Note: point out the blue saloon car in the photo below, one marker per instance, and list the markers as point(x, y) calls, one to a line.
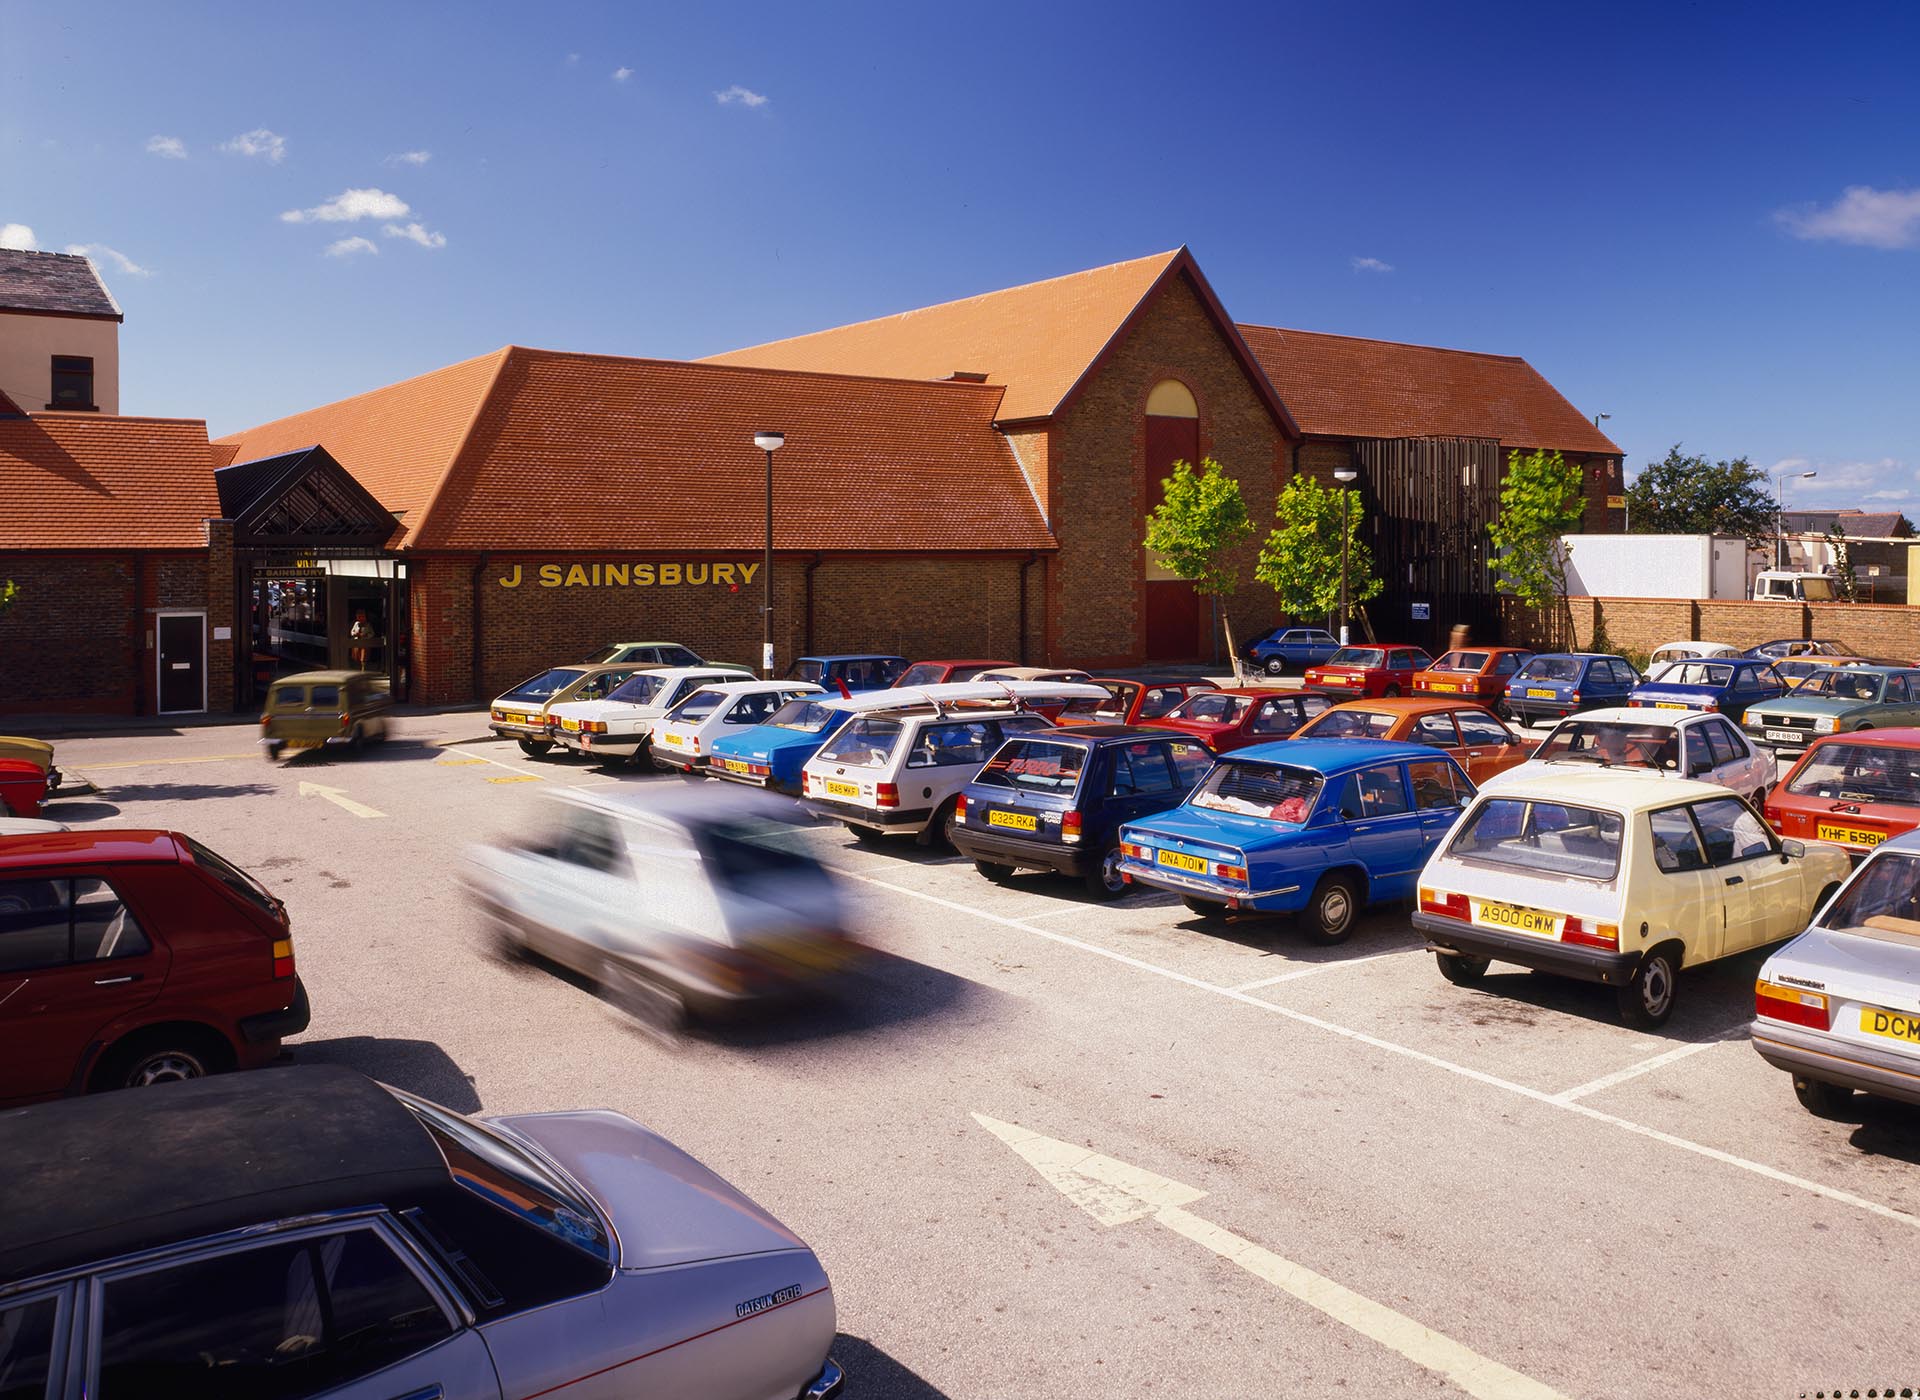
point(857, 671)
point(771, 755)
point(1284, 649)
point(1318, 827)
point(1727, 684)
point(1553, 685)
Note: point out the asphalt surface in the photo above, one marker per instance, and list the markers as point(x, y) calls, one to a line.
point(1571, 1206)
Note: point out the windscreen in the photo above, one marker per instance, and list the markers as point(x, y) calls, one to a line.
point(866, 743)
point(696, 707)
point(605, 654)
point(1859, 773)
point(1342, 723)
point(1613, 744)
point(805, 716)
point(921, 673)
point(1358, 656)
point(1035, 765)
point(546, 685)
point(643, 688)
point(1693, 673)
point(1461, 661)
point(1212, 708)
point(807, 671)
point(1882, 897)
point(1541, 838)
point(232, 876)
point(1274, 791)
point(1113, 705)
point(1551, 668)
point(1844, 683)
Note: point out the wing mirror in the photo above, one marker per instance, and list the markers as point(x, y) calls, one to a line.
point(1791, 849)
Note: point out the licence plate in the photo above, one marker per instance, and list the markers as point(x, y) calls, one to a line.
point(1848, 835)
point(675, 740)
point(842, 789)
point(572, 726)
point(1537, 922)
point(1670, 705)
point(1441, 685)
point(1783, 736)
point(1894, 1025)
point(1196, 865)
point(734, 765)
point(1535, 694)
point(1019, 821)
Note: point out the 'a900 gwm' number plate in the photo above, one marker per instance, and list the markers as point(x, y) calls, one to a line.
point(1537, 922)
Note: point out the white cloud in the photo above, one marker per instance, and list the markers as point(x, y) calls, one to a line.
point(258, 142)
point(347, 247)
point(410, 158)
point(350, 205)
point(1862, 215)
point(744, 96)
point(620, 75)
point(416, 233)
point(112, 255)
point(167, 147)
point(1371, 265)
point(17, 236)
point(1842, 483)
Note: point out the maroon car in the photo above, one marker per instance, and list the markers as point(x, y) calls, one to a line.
point(944, 672)
point(1242, 715)
point(134, 957)
point(1131, 701)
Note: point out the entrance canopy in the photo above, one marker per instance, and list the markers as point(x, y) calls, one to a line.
point(301, 500)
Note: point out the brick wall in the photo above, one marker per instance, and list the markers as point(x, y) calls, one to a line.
point(1886, 631)
point(1033, 446)
point(1320, 460)
point(219, 603)
point(69, 642)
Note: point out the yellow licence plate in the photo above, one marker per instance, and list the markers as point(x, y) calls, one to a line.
point(1894, 1025)
point(674, 739)
point(1534, 694)
point(1537, 922)
point(1443, 685)
point(1670, 705)
point(1848, 835)
point(734, 765)
point(842, 789)
point(1194, 864)
point(1019, 821)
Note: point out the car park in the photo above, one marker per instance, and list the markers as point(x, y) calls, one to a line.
point(1056, 800)
point(134, 957)
point(900, 771)
point(1837, 700)
point(619, 728)
point(1315, 827)
point(1132, 701)
point(1692, 744)
point(851, 671)
point(646, 654)
point(1615, 878)
point(943, 672)
point(684, 736)
point(317, 708)
point(1238, 716)
point(1728, 686)
point(1854, 790)
point(771, 755)
point(1282, 649)
point(1368, 672)
point(520, 714)
point(1478, 673)
point(1838, 1008)
point(313, 1232)
point(1473, 735)
point(1553, 685)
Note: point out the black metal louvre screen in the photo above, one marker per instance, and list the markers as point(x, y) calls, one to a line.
point(1429, 502)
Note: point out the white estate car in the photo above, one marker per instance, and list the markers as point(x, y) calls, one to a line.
point(1686, 651)
point(1616, 879)
point(1669, 743)
point(1839, 1007)
point(683, 737)
point(619, 726)
point(899, 770)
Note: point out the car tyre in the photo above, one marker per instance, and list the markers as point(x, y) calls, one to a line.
point(1646, 1001)
point(1332, 910)
point(1205, 908)
point(535, 748)
point(658, 1010)
point(1391, 691)
point(274, 748)
point(865, 835)
point(1276, 666)
point(1821, 1099)
point(1104, 880)
point(357, 740)
point(994, 871)
point(1460, 969)
point(160, 1057)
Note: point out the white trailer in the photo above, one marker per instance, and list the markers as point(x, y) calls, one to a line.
point(1656, 566)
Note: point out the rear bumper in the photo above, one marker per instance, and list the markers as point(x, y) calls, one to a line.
point(1561, 959)
point(828, 1385)
point(1813, 1055)
point(867, 816)
point(673, 758)
point(998, 849)
point(1527, 711)
point(519, 731)
point(610, 745)
point(272, 1026)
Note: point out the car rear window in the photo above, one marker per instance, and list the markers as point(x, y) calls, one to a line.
point(1693, 673)
point(1113, 705)
point(325, 696)
point(695, 707)
point(807, 671)
point(231, 875)
point(1211, 708)
point(1275, 791)
point(1035, 765)
point(1461, 661)
point(546, 685)
point(805, 716)
point(1613, 744)
point(639, 689)
point(921, 673)
point(1550, 668)
point(1358, 656)
point(866, 743)
point(1342, 723)
point(1859, 773)
point(1882, 898)
point(288, 697)
point(1547, 838)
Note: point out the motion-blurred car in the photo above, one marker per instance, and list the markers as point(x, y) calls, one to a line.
point(1232, 719)
point(1315, 827)
point(672, 900)
point(1132, 701)
point(1368, 672)
point(136, 957)
point(683, 737)
point(1837, 700)
point(1854, 790)
point(1839, 1007)
point(1661, 743)
point(312, 1232)
point(645, 654)
point(619, 728)
point(521, 713)
point(1553, 685)
point(318, 708)
point(943, 672)
point(1473, 735)
point(1617, 879)
point(1727, 687)
point(1477, 673)
point(1057, 800)
point(855, 671)
point(1282, 649)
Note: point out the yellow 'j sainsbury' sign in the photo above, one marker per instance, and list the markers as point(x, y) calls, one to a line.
point(630, 575)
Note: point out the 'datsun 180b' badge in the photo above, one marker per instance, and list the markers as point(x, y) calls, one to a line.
point(766, 1300)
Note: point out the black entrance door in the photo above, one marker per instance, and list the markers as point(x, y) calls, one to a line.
point(183, 662)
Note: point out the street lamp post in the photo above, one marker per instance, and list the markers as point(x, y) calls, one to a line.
point(1344, 476)
point(768, 443)
point(1780, 480)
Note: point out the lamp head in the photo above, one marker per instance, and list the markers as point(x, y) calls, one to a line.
point(1345, 474)
point(769, 442)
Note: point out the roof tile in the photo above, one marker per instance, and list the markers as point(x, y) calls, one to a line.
point(89, 481)
point(64, 283)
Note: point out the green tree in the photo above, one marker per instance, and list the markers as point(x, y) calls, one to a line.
point(9, 590)
point(1301, 557)
point(1195, 529)
point(1540, 501)
point(1688, 495)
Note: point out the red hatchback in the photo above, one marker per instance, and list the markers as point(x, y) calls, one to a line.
point(944, 672)
point(1235, 718)
point(134, 957)
point(1853, 790)
point(1368, 672)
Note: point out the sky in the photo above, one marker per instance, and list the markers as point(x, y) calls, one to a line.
point(1702, 220)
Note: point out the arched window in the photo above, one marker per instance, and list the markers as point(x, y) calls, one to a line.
point(1171, 399)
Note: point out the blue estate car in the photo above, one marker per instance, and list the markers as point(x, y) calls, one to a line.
point(1322, 827)
point(1057, 800)
point(771, 755)
point(1725, 683)
point(857, 671)
point(1283, 649)
point(1556, 684)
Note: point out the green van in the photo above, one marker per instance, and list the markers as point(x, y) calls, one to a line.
point(325, 707)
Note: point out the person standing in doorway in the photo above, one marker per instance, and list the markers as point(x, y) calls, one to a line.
point(358, 636)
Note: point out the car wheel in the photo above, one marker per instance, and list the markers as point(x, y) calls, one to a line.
point(1104, 880)
point(1647, 1001)
point(999, 874)
point(1821, 1099)
point(945, 823)
point(163, 1057)
point(658, 1010)
point(1391, 690)
point(1461, 970)
point(1276, 666)
point(1205, 908)
point(274, 748)
point(534, 748)
point(1759, 799)
point(865, 835)
point(357, 740)
point(1332, 910)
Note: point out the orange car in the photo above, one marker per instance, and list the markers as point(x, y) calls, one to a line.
point(1479, 673)
point(1478, 741)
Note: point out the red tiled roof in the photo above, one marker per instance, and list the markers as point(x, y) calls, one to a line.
point(538, 449)
point(92, 481)
point(1342, 386)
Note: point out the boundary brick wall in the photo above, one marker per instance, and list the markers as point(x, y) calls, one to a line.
point(1881, 630)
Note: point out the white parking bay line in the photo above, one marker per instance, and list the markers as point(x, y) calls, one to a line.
point(1312, 968)
point(1761, 1169)
point(1621, 1076)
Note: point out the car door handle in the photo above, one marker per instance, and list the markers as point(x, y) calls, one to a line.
point(1736, 879)
point(116, 981)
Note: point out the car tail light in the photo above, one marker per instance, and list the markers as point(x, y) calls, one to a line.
point(1711, 705)
point(345, 720)
point(265, 720)
point(1070, 827)
point(1447, 906)
point(760, 770)
point(696, 743)
point(1633, 704)
point(806, 781)
point(594, 726)
point(1132, 851)
point(1590, 935)
point(1230, 872)
point(282, 958)
point(960, 808)
point(886, 795)
point(1802, 1008)
point(1574, 697)
point(1772, 814)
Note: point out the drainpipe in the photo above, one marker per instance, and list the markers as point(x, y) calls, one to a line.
point(1033, 557)
point(806, 607)
point(475, 628)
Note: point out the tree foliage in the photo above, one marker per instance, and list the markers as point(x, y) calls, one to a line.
point(1540, 501)
point(1301, 558)
point(1196, 527)
point(1689, 495)
point(9, 590)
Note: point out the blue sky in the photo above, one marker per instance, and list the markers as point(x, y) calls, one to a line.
point(1702, 220)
